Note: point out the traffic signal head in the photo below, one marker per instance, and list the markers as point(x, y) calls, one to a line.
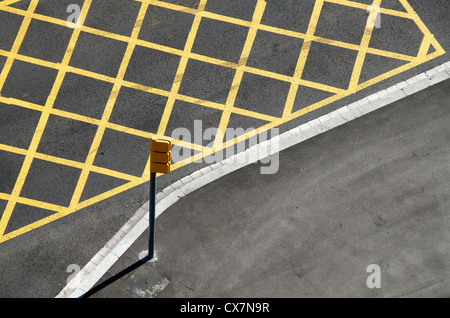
point(160, 155)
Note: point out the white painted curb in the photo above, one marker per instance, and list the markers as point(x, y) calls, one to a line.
point(125, 237)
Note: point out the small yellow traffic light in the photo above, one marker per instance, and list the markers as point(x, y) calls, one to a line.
point(160, 155)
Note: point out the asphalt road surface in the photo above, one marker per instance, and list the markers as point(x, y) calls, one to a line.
point(78, 106)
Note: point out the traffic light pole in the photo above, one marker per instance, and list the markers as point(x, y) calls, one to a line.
point(160, 158)
point(152, 216)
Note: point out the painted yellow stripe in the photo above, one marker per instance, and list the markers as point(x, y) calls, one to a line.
point(291, 79)
point(172, 6)
point(363, 6)
point(424, 46)
point(399, 70)
point(273, 121)
point(108, 109)
point(44, 114)
point(363, 46)
point(93, 121)
point(303, 56)
point(219, 18)
point(422, 26)
point(13, 149)
point(349, 46)
point(112, 193)
point(218, 106)
point(69, 163)
point(178, 77)
point(6, 68)
point(180, 71)
point(251, 35)
point(34, 203)
point(392, 55)
point(205, 58)
point(8, 2)
point(17, 43)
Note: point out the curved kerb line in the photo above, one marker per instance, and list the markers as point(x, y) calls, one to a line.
point(130, 232)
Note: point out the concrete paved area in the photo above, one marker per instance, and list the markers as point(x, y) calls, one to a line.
point(373, 191)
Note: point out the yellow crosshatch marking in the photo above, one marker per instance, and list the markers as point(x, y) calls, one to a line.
point(172, 95)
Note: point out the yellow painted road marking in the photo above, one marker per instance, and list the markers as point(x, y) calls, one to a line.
point(178, 77)
point(7, 67)
point(108, 109)
point(363, 6)
point(8, 2)
point(205, 58)
point(422, 27)
point(181, 69)
point(424, 47)
point(45, 111)
point(303, 56)
point(229, 104)
point(227, 108)
point(193, 55)
point(373, 15)
point(109, 125)
point(68, 163)
point(17, 43)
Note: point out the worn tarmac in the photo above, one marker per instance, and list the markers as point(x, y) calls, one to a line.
point(372, 191)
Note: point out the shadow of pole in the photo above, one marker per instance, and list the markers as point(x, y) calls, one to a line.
point(115, 278)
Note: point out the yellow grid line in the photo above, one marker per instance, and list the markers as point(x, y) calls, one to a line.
point(181, 69)
point(34, 203)
point(69, 163)
point(219, 18)
point(295, 80)
point(17, 42)
point(424, 46)
point(149, 89)
point(356, 74)
point(44, 114)
point(8, 2)
point(229, 105)
point(178, 77)
point(363, 6)
point(93, 121)
point(161, 92)
point(108, 109)
point(422, 27)
point(364, 85)
point(303, 56)
point(7, 67)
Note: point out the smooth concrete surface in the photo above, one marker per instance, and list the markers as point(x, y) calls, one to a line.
point(373, 191)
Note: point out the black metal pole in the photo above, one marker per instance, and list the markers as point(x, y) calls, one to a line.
point(151, 239)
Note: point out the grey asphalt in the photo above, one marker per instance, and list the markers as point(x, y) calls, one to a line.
point(375, 190)
point(35, 263)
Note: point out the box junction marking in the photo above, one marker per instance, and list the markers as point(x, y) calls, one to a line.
point(228, 108)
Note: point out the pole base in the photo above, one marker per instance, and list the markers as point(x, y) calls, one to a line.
point(145, 257)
